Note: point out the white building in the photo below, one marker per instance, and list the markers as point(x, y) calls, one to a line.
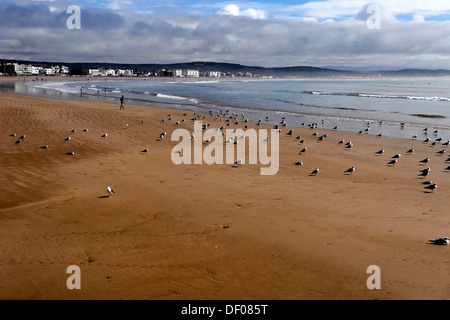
point(19, 69)
point(191, 73)
point(95, 72)
point(213, 74)
point(35, 71)
point(110, 73)
point(177, 73)
point(49, 71)
point(125, 73)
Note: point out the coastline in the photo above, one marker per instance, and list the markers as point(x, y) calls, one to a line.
point(209, 232)
point(346, 122)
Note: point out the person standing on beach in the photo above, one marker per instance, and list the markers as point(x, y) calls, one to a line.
point(121, 103)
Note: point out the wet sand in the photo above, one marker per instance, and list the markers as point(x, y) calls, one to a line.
point(209, 231)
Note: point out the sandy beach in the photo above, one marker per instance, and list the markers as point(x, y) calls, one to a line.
point(206, 232)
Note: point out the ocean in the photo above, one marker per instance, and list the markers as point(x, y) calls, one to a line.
point(348, 104)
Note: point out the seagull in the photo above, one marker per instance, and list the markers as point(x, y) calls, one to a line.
point(145, 150)
point(104, 135)
point(380, 152)
point(397, 156)
point(316, 171)
point(70, 153)
point(447, 169)
point(68, 139)
point(441, 152)
point(299, 163)
point(22, 137)
point(303, 150)
point(110, 191)
point(18, 141)
point(425, 172)
point(85, 130)
point(426, 140)
point(431, 187)
point(44, 147)
point(410, 151)
point(415, 136)
point(341, 142)
point(349, 145)
point(425, 160)
point(12, 135)
point(298, 137)
point(73, 131)
point(126, 125)
point(440, 241)
point(394, 161)
point(350, 171)
point(238, 162)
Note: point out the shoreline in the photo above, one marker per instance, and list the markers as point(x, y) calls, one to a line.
point(390, 128)
point(294, 78)
point(209, 232)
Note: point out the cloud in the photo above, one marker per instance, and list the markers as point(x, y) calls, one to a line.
point(234, 10)
point(281, 36)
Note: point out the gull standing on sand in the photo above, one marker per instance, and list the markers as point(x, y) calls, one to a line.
point(410, 151)
point(380, 152)
point(110, 191)
point(299, 163)
point(431, 187)
point(104, 135)
point(440, 241)
point(393, 161)
point(425, 172)
point(315, 172)
point(425, 160)
point(350, 171)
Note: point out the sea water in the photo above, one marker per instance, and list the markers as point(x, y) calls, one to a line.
point(347, 103)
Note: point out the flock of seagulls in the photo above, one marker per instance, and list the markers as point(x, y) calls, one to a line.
point(234, 119)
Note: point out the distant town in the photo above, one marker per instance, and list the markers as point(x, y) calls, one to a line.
point(199, 69)
point(18, 69)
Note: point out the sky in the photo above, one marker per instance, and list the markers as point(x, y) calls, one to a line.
point(387, 33)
